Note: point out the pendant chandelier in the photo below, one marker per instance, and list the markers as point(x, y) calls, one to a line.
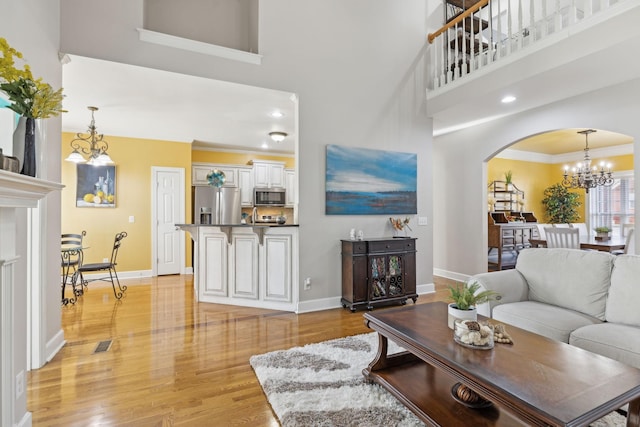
point(583, 175)
point(93, 146)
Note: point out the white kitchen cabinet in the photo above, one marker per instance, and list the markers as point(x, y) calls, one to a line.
point(290, 186)
point(245, 182)
point(268, 174)
point(201, 170)
point(275, 268)
point(212, 264)
point(243, 266)
point(246, 266)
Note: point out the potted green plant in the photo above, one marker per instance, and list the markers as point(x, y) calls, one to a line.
point(464, 300)
point(602, 233)
point(508, 176)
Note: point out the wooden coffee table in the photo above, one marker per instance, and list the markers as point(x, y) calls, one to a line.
point(535, 381)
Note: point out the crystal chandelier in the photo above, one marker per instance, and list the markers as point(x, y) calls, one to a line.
point(584, 175)
point(93, 146)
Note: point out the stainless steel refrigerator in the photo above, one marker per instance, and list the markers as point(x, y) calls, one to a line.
point(213, 205)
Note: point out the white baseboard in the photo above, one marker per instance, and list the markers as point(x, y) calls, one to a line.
point(122, 275)
point(335, 302)
point(26, 421)
point(54, 345)
point(318, 304)
point(451, 275)
point(428, 288)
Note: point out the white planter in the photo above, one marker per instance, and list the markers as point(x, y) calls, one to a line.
point(453, 313)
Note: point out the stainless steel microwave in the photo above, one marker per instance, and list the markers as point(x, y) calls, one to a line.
point(268, 197)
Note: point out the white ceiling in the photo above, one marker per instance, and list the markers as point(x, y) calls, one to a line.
point(145, 103)
point(152, 104)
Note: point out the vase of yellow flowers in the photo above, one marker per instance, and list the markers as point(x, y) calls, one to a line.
point(32, 99)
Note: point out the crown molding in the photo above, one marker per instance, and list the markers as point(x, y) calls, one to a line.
point(575, 156)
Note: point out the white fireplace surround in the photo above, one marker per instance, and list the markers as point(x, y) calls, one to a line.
point(17, 192)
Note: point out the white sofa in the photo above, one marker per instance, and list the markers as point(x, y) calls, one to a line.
point(588, 299)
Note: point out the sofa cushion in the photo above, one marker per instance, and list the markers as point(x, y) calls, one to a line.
point(619, 342)
point(624, 293)
point(569, 278)
point(548, 320)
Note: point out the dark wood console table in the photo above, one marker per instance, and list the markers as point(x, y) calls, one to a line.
point(377, 271)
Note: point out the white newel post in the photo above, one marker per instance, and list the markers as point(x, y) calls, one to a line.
point(16, 193)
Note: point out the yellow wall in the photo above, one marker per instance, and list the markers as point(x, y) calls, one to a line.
point(133, 160)
point(533, 178)
point(530, 177)
point(238, 158)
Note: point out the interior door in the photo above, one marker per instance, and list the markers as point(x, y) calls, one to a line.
point(169, 211)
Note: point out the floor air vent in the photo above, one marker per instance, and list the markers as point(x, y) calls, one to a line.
point(102, 346)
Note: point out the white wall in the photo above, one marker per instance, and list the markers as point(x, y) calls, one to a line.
point(228, 23)
point(460, 166)
point(33, 29)
point(358, 69)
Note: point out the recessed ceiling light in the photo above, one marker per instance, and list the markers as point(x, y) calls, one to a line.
point(265, 145)
point(507, 99)
point(277, 114)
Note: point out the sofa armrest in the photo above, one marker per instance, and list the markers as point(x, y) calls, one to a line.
point(509, 284)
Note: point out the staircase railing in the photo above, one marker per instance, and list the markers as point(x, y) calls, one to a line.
point(490, 30)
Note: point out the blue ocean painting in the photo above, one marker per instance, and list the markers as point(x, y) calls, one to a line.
point(362, 181)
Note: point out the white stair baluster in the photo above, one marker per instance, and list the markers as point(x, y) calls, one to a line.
point(587, 8)
point(558, 18)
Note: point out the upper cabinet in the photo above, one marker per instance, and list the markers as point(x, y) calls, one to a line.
point(268, 174)
point(291, 192)
point(245, 182)
point(201, 170)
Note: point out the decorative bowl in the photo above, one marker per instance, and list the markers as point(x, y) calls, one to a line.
point(473, 334)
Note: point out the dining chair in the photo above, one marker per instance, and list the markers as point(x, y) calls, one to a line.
point(561, 225)
point(562, 237)
point(109, 267)
point(584, 231)
point(541, 233)
point(629, 244)
point(71, 259)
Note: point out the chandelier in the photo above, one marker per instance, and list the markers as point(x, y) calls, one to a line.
point(92, 146)
point(584, 175)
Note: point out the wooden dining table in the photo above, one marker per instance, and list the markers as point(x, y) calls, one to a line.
point(614, 243)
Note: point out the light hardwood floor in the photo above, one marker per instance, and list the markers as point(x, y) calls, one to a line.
point(172, 361)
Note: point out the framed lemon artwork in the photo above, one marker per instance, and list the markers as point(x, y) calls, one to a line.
point(96, 186)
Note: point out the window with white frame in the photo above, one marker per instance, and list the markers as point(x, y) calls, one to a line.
point(613, 206)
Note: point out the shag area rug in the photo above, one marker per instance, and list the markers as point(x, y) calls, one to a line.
point(322, 385)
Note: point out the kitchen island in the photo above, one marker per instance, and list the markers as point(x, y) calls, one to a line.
point(253, 265)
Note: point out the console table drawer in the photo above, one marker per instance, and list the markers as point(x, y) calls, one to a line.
point(392, 245)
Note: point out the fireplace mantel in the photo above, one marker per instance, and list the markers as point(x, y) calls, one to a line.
point(21, 191)
point(17, 192)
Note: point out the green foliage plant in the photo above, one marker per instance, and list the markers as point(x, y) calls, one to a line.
point(29, 97)
point(561, 205)
point(602, 229)
point(464, 296)
point(508, 176)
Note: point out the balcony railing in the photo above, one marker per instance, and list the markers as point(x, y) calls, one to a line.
point(491, 30)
